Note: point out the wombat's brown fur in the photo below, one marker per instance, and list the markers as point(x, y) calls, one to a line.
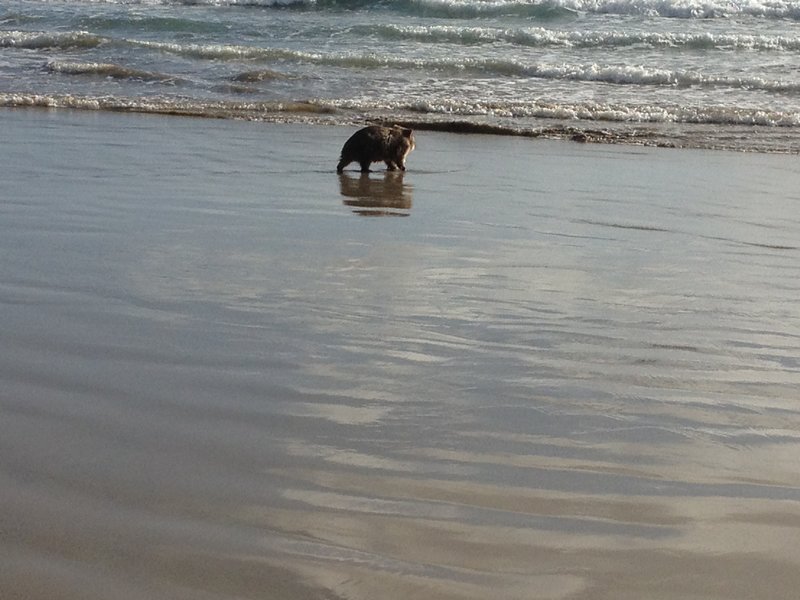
point(375, 144)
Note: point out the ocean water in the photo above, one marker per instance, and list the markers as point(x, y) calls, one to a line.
point(685, 73)
point(523, 369)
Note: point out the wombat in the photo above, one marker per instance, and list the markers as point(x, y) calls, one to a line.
point(375, 144)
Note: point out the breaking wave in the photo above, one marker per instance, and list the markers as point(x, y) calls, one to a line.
point(541, 9)
point(528, 37)
point(686, 9)
point(599, 112)
point(343, 110)
point(540, 37)
point(165, 106)
point(587, 111)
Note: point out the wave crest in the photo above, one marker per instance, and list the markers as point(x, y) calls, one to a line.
point(109, 70)
point(35, 40)
point(541, 37)
point(599, 112)
point(542, 9)
point(684, 9)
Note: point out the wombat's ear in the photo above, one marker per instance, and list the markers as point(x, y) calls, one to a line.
point(407, 132)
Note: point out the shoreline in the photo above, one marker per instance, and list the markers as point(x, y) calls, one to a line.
point(753, 138)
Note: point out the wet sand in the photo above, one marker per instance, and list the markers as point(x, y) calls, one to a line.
point(541, 370)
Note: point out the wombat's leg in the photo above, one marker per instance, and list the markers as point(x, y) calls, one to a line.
point(390, 166)
point(342, 164)
point(365, 166)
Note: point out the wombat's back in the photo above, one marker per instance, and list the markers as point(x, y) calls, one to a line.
point(375, 144)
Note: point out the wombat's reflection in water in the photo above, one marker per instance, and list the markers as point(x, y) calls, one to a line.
point(386, 196)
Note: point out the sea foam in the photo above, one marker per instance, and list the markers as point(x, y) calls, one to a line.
point(542, 37)
point(543, 9)
point(685, 9)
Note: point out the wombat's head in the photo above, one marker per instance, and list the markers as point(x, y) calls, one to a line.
point(409, 135)
point(406, 141)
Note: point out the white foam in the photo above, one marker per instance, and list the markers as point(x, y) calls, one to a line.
point(542, 37)
point(587, 111)
point(686, 9)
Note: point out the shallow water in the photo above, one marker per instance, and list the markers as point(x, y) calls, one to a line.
point(559, 371)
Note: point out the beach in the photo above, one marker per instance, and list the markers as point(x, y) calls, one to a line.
point(522, 369)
